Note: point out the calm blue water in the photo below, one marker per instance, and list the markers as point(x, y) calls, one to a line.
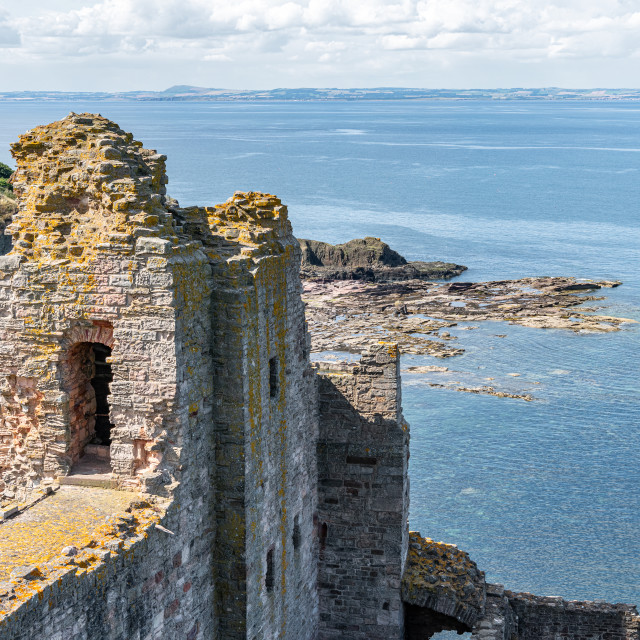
point(544, 495)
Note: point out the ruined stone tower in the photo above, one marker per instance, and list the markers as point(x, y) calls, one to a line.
point(154, 369)
point(164, 351)
point(170, 344)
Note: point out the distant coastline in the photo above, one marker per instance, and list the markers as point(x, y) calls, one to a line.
point(182, 93)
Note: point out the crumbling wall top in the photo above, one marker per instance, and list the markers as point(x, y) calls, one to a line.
point(443, 578)
point(83, 184)
point(250, 225)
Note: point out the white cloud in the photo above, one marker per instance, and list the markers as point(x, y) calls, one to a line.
point(396, 42)
point(380, 34)
point(9, 35)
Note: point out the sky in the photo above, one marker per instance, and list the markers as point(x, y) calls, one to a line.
point(122, 45)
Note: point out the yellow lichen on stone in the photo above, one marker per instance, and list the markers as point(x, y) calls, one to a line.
point(71, 529)
point(443, 577)
point(83, 184)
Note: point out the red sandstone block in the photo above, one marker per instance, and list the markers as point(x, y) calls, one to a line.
point(171, 608)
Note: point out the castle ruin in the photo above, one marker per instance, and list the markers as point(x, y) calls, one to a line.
point(157, 358)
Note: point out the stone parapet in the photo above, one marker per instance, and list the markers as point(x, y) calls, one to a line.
point(363, 497)
point(552, 617)
point(132, 578)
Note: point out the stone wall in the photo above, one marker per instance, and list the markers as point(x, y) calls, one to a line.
point(553, 618)
point(448, 593)
point(213, 401)
point(498, 621)
point(96, 258)
point(265, 421)
point(363, 497)
point(133, 582)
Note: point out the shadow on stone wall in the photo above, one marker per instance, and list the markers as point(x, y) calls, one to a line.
point(421, 623)
point(362, 497)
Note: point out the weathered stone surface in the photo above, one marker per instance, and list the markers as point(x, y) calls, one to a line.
point(527, 617)
point(442, 578)
point(212, 401)
point(363, 497)
point(265, 420)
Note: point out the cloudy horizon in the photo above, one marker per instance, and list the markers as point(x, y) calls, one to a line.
point(120, 45)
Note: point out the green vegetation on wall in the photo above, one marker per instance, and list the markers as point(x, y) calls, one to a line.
point(5, 174)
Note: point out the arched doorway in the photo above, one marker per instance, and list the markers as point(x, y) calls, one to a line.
point(87, 379)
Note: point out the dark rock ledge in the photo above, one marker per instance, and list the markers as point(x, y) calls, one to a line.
point(367, 259)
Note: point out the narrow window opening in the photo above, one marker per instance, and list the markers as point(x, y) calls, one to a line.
point(296, 533)
point(100, 382)
point(273, 377)
point(269, 580)
point(324, 530)
point(361, 460)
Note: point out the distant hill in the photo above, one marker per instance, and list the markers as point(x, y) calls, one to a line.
point(186, 89)
point(188, 92)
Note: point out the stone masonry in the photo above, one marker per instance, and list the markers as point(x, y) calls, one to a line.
point(265, 421)
point(96, 259)
point(212, 404)
point(523, 616)
point(240, 493)
point(443, 590)
point(363, 497)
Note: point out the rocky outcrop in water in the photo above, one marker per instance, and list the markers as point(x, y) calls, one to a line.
point(346, 316)
point(367, 259)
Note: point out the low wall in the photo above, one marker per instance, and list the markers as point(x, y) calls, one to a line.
point(133, 581)
point(523, 616)
point(552, 618)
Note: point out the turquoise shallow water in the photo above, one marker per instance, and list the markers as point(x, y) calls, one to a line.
point(545, 495)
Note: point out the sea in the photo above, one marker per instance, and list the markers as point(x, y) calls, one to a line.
point(544, 495)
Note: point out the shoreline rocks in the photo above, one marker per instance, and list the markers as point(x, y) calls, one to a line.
point(346, 315)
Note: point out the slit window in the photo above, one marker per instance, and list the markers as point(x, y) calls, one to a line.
point(296, 538)
point(273, 377)
point(269, 580)
point(367, 461)
point(324, 530)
